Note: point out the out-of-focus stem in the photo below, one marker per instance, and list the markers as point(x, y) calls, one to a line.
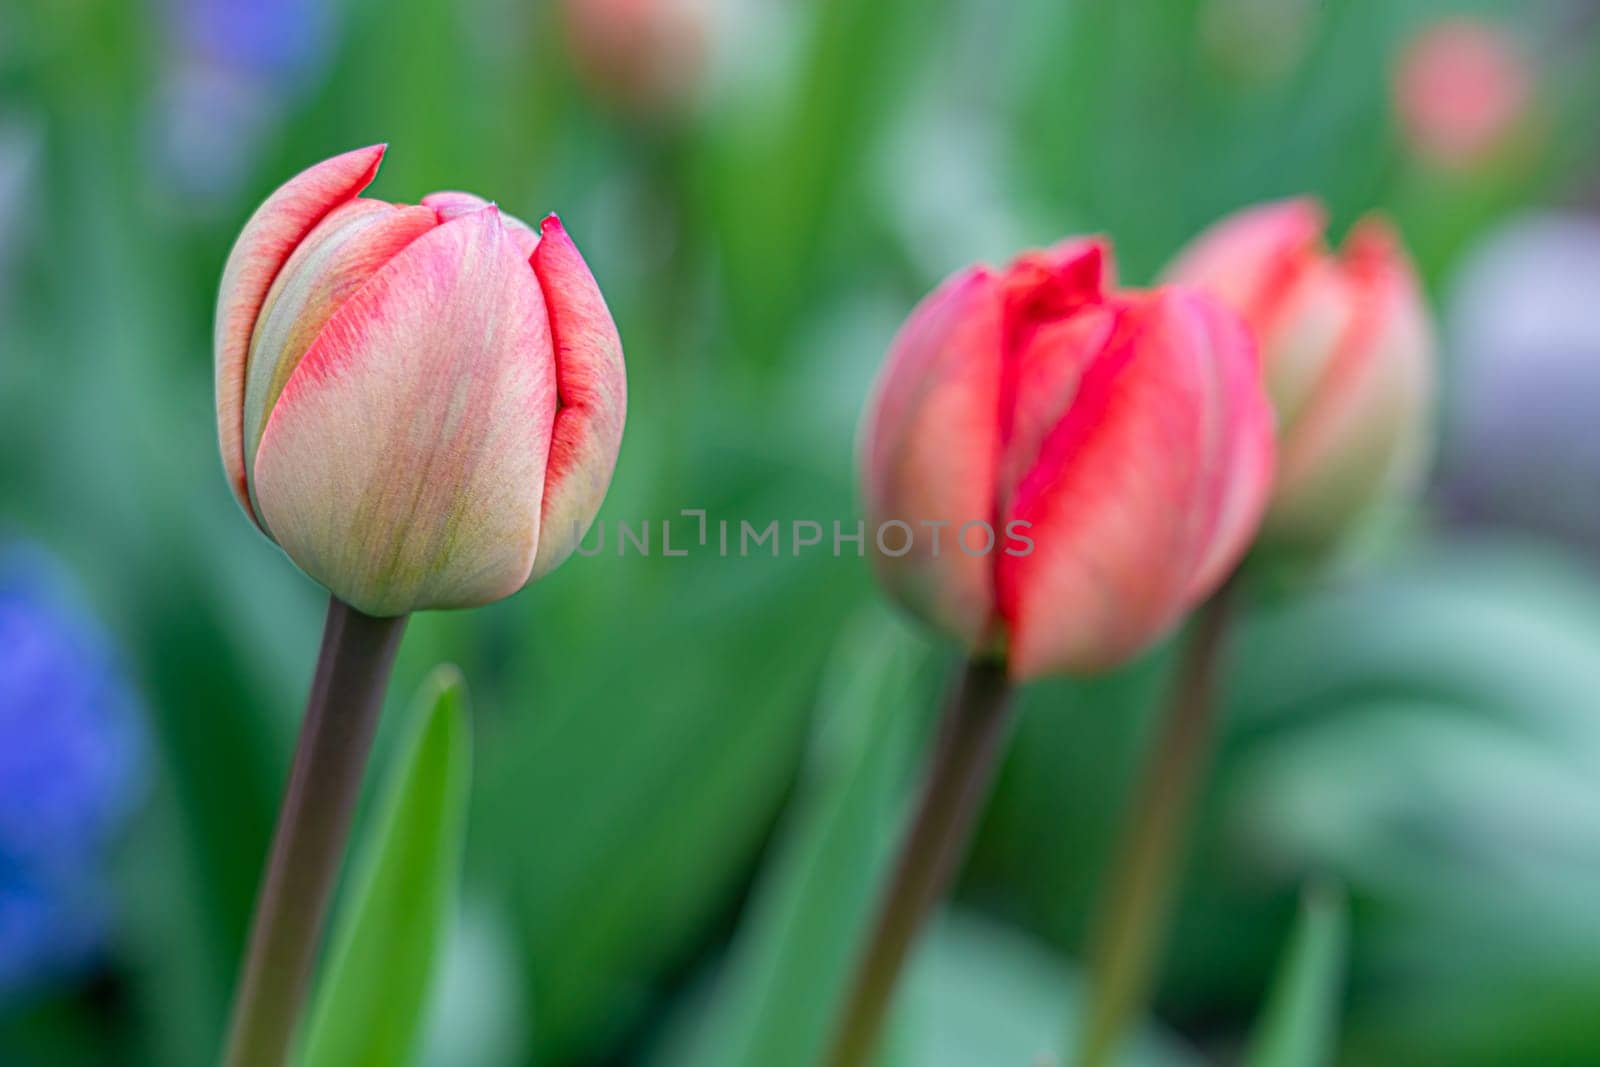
point(1131, 921)
point(971, 738)
point(313, 827)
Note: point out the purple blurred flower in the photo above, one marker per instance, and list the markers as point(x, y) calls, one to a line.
point(233, 68)
point(1522, 442)
point(269, 40)
point(70, 757)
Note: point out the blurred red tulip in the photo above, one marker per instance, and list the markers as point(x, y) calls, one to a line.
point(1347, 350)
point(421, 405)
point(1461, 89)
point(647, 57)
point(1117, 445)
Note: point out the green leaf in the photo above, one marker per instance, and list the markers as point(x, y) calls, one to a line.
point(981, 994)
point(369, 1009)
point(778, 992)
point(1300, 1024)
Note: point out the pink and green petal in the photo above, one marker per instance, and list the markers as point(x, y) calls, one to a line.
point(1364, 434)
point(437, 380)
point(330, 265)
point(265, 244)
point(592, 396)
point(1250, 258)
point(1300, 334)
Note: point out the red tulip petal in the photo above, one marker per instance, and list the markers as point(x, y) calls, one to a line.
point(1245, 443)
point(593, 395)
point(1055, 324)
point(1113, 502)
point(930, 451)
point(263, 247)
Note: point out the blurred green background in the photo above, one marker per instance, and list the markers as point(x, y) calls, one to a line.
point(688, 769)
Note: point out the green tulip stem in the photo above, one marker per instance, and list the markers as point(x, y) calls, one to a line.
point(313, 827)
point(972, 736)
point(1130, 924)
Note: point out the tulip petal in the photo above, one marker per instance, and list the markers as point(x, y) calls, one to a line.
point(1244, 442)
point(451, 204)
point(1361, 432)
point(1115, 502)
point(592, 388)
point(930, 452)
point(1250, 258)
point(263, 247)
point(1268, 263)
point(335, 259)
point(1055, 323)
point(403, 465)
point(1301, 332)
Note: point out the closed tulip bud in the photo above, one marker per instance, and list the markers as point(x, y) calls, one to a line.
point(1347, 352)
point(421, 405)
point(1118, 443)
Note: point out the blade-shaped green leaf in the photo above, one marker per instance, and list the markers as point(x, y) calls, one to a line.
point(369, 1010)
point(779, 990)
point(1299, 1025)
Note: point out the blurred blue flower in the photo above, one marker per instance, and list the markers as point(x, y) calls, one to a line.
point(232, 68)
point(1522, 441)
point(71, 749)
point(271, 40)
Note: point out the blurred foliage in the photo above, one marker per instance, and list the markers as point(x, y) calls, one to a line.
point(1423, 731)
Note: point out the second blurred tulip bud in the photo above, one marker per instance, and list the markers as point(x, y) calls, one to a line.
point(1347, 350)
point(646, 57)
point(1124, 435)
point(1462, 90)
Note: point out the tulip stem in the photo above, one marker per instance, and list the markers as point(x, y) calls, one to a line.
point(971, 736)
point(313, 826)
point(1131, 920)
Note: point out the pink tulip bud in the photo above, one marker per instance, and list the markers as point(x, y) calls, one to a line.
point(1347, 352)
point(1461, 90)
point(1117, 443)
point(421, 405)
point(647, 57)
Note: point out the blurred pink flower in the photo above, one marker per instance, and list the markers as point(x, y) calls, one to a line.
point(647, 57)
point(1462, 88)
point(1347, 350)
